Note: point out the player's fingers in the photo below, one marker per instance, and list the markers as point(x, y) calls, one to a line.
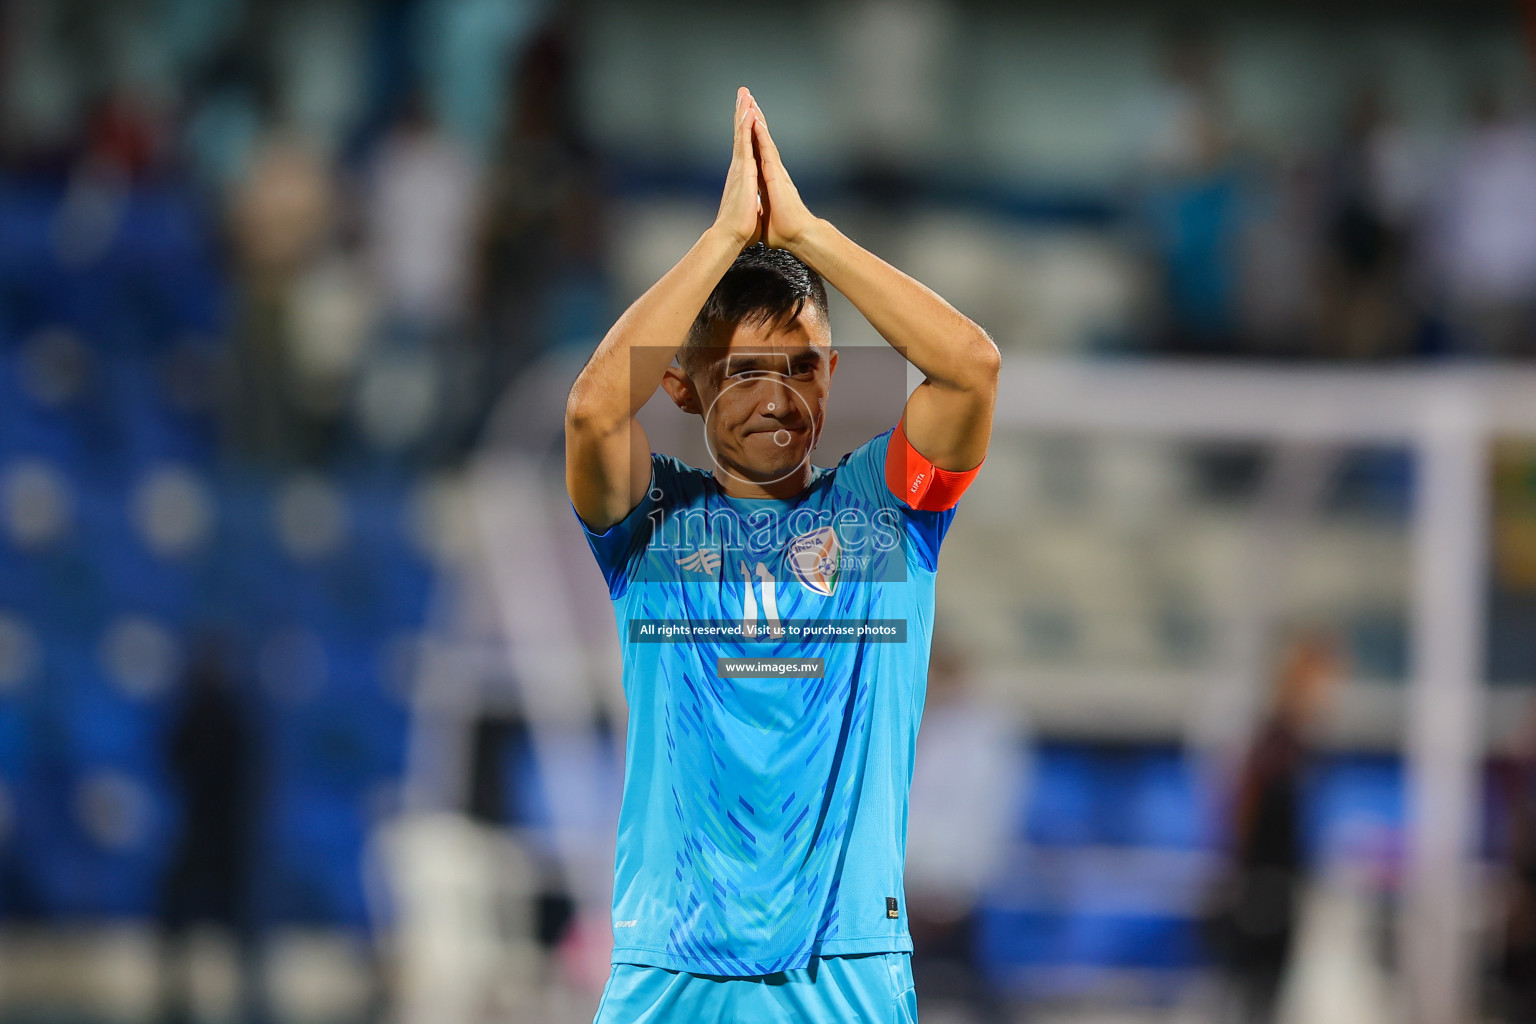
point(757, 111)
point(744, 121)
point(773, 167)
point(765, 137)
point(759, 118)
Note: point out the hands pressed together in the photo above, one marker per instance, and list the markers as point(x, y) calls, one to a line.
point(760, 202)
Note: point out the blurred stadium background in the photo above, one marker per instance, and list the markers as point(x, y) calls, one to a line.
point(309, 707)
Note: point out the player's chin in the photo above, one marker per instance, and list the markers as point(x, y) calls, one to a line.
point(767, 457)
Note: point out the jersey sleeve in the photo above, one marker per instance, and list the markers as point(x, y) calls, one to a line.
point(883, 471)
point(617, 547)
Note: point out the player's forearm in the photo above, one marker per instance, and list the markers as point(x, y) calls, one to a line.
point(633, 356)
point(946, 345)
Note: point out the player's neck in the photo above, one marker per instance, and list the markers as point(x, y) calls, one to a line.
point(784, 489)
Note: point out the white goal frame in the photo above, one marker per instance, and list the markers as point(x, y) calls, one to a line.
point(1447, 416)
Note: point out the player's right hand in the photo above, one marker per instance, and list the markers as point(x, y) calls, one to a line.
point(741, 208)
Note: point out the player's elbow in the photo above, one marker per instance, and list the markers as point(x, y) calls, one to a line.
point(984, 362)
point(585, 416)
point(989, 360)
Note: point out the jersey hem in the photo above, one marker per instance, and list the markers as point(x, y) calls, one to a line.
point(645, 956)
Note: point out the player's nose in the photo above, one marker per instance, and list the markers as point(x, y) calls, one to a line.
point(776, 399)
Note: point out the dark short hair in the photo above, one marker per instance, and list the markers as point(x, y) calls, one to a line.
point(763, 286)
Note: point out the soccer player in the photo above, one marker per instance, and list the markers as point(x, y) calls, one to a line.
point(763, 827)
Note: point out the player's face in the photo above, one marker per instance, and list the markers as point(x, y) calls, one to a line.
point(764, 396)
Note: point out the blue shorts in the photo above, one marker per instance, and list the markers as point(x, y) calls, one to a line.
point(868, 988)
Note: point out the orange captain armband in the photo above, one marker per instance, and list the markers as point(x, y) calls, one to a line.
point(918, 482)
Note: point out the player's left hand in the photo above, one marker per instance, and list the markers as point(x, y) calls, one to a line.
point(785, 217)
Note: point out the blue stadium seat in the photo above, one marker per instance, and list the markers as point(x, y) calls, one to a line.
point(317, 858)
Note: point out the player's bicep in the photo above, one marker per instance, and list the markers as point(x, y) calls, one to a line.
point(606, 474)
point(951, 427)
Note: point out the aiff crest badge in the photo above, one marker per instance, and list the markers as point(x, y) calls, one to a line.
point(814, 558)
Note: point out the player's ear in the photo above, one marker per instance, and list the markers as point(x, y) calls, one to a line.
point(679, 387)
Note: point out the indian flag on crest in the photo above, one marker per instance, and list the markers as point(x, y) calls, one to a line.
point(813, 558)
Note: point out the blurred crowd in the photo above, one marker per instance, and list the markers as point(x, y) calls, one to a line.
point(410, 208)
point(387, 276)
point(1381, 244)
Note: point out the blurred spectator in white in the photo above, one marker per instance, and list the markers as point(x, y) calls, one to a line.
point(1484, 246)
point(1258, 901)
point(968, 779)
point(329, 329)
point(419, 220)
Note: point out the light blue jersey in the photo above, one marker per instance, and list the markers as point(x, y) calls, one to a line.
point(764, 818)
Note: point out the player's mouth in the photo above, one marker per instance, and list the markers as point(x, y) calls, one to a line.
point(777, 432)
